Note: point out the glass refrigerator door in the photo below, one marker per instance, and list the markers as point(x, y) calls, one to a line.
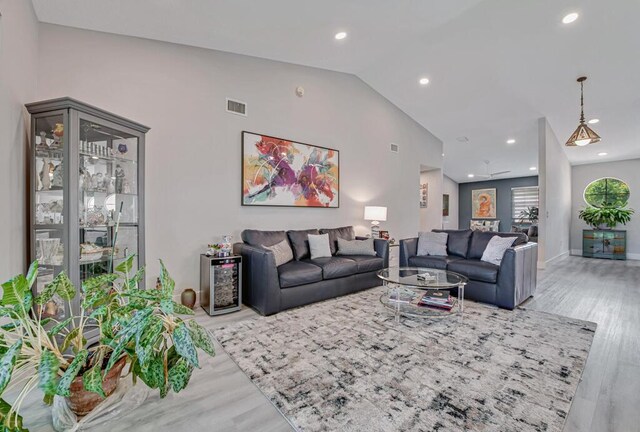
point(49, 207)
point(108, 197)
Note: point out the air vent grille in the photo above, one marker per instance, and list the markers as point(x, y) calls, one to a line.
point(236, 107)
point(395, 148)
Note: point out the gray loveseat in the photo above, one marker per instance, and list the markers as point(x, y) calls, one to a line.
point(270, 289)
point(505, 286)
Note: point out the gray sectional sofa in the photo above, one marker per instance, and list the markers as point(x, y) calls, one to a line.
point(270, 289)
point(506, 285)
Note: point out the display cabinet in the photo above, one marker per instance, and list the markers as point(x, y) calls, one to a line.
point(608, 244)
point(87, 193)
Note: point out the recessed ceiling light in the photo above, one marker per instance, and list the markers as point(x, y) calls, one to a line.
point(442, 154)
point(568, 19)
point(603, 154)
point(532, 168)
point(424, 81)
point(511, 141)
point(470, 175)
point(594, 121)
point(341, 35)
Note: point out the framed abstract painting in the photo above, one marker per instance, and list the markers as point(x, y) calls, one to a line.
point(483, 204)
point(285, 173)
point(445, 204)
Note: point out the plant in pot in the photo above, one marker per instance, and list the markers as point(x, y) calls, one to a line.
point(135, 326)
point(610, 217)
point(529, 214)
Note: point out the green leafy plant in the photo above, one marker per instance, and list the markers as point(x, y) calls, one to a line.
point(609, 216)
point(142, 326)
point(530, 214)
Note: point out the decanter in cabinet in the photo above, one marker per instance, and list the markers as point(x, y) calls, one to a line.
point(87, 193)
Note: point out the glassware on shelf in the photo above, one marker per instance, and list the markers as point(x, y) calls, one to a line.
point(48, 249)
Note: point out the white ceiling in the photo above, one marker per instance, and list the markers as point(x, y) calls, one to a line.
point(495, 66)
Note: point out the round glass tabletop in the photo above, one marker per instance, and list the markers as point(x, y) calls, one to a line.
point(426, 278)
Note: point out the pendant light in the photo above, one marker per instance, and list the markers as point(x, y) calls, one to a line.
point(583, 135)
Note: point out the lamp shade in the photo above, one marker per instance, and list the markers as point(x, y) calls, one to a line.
point(374, 213)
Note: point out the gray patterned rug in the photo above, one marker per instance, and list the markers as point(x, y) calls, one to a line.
point(346, 365)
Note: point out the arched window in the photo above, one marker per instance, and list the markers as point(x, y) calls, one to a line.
point(607, 192)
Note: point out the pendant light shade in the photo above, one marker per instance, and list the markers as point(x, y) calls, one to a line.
point(583, 135)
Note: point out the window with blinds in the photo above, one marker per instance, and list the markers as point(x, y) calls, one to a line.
point(523, 198)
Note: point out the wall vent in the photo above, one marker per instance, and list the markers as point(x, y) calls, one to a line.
point(236, 107)
point(395, 148)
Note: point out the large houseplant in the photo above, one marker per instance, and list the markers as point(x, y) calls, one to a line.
point(138, 327)
point(610, 217)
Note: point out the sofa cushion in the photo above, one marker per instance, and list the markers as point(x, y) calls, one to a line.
point(480, 240)
point(262, 238)
point(496, 248)
point(346, 233)
point(475, 270)
point(319, 246)
point(281, 252)
point(355, 247)
point(432, 243)
point(334, 267)
point(300, 242)
point(436, 262)
point(366, 263)
point(457, 242)
point(296, 273)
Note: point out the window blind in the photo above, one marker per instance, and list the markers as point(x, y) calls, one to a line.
point(523, 198)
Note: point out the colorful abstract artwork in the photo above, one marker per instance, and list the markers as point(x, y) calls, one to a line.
point(483, 204)
point(278, 172)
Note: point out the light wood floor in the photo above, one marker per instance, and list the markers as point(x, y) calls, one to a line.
point(220, 397)
point(607, 293)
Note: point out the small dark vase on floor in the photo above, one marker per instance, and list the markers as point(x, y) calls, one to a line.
point(188, 298)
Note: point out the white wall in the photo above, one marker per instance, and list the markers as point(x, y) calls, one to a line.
point(451, 187)
point(582, 175)
point(18, 68)
point(193, 148)
point(555, 196)
point(431, 216)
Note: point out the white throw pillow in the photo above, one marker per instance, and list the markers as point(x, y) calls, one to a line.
point(356, 247)
point(282, 252)
point(319, 245)
point(496, 248)
point(432, 243)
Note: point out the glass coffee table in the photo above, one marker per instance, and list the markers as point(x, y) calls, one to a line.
point(407, 285)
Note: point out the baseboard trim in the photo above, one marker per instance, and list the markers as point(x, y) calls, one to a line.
point(563, 254)
point(630, 256)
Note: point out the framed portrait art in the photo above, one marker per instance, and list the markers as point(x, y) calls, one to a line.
point(285, 173)
point(483, 203)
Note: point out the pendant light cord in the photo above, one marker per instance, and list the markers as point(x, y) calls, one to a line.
point(581, 101)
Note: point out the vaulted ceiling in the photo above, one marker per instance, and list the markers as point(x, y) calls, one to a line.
point(495, 66)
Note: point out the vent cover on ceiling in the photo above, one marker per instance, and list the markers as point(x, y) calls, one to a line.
point(236, 107)
point(395, 148)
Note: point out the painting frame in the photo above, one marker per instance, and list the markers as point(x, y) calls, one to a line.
point(484, 203)
point(424, 195)
point(445, 205)
point(332, 158)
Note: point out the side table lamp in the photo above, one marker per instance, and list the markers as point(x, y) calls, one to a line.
point(375, 214)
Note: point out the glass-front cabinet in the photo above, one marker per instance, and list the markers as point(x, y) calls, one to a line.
point(87, 193)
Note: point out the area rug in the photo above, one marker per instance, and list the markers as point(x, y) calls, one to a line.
point(346, 365)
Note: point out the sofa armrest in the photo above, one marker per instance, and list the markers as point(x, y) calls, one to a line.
point(260, 282)
point(517, 277)
point(382, 250)
point(408, 249)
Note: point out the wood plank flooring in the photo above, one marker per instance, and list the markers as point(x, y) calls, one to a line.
point(221, 398)
point(607, 293)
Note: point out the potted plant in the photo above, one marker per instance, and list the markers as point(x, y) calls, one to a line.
point(601, 217)
point(530, 214)
point(137, 327)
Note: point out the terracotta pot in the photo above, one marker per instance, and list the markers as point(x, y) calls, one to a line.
point(188, 298)
point(82, 402)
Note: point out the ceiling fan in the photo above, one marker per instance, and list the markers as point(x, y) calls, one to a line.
point(490, 175)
